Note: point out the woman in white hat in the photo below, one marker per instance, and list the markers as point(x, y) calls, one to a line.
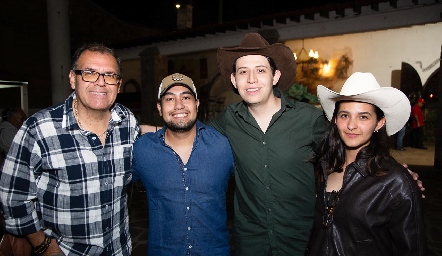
point(367, 203)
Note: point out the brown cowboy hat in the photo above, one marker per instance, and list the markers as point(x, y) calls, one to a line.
point(255, 44)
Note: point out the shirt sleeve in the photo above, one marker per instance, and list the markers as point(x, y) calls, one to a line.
point(319, 127)
point(219, 123)
point(18, 185)
point(135, 159)
point(406, 224)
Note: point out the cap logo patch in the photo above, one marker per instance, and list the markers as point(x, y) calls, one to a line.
point(177, 77)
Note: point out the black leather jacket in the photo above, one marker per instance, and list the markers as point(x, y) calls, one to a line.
point(374, 215)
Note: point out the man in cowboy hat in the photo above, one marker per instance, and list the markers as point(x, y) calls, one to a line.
point(273, 138)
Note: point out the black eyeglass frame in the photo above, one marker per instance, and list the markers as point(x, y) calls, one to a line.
point(81, 72)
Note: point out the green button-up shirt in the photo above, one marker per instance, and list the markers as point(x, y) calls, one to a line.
point(275, 191)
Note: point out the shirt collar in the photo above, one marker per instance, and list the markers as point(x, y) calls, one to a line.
point(70, 123)
point(199, 127)
point(359, 165)
point(285, 103)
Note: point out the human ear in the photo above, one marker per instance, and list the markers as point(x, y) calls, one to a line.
point(233, 80)
point(380, 124)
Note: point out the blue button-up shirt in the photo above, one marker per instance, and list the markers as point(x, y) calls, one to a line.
point(60, 178)
point(186, 202)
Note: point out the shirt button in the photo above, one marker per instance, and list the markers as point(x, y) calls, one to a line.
point(190, 246)
point(267, 188)
point(188, 208)
point(185, 168)
point(187, 188)
point(270, 210)
point(105, 183)
point(265, 166)
point(188, 228)
point(263, 142)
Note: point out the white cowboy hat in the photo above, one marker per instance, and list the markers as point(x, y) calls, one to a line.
point(364, 87)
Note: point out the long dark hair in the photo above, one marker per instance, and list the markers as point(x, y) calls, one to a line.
point(332, 148)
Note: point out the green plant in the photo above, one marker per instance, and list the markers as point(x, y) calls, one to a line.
point(300, 93)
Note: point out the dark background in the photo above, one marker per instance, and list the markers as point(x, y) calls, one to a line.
point(24, 45)
point(162, 14)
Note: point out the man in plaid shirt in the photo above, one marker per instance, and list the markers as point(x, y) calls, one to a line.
point(63, 184)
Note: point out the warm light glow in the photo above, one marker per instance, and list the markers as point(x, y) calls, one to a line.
point(178, 6)
point(431, 96)
point(313, 54)
point(311, 61)
point(325, 69)
point(328, 68)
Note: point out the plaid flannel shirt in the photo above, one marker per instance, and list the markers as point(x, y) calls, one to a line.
point(62, 180)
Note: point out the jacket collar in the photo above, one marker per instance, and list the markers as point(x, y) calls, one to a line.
point(359, 165)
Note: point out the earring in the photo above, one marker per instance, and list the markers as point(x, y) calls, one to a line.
point(376, 130)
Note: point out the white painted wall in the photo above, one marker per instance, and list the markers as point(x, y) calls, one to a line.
point(382, 52)
point(379, 52)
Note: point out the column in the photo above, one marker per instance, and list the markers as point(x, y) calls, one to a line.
point(153, 69)
point(59, 48)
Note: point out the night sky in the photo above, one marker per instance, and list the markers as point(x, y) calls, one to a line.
point(162, 14)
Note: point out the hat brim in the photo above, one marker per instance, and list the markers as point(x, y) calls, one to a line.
point(167, 88)
point(391, 101)
point(282, 56)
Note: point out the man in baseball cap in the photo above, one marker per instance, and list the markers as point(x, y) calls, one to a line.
point(185, 168)
point(176, 79)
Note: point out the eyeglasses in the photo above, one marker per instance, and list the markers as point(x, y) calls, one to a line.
point(92, 76)
point(332, 201)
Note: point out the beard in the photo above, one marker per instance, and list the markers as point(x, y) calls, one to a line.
point(180, 127)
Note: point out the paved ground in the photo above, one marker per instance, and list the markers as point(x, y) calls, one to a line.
point(414, 156)
point(420, 161)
